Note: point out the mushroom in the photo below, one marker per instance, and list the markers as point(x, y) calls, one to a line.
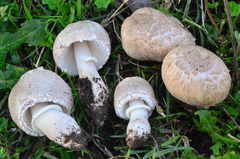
point(81, 49)
point(149, 34)
point(196, 76)
point(134, 99)
point(40, 104)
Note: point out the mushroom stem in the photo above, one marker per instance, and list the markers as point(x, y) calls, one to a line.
point(85, 61)
point(57, 126)
point(138, 129)
point(93, 91)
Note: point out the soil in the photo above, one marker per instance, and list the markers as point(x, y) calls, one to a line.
point(77, 140)
point(100, 112)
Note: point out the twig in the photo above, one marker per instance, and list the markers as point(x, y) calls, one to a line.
point(221, 38)
point(203, 23)
point(232, 119)
point(30, 152)
point(233, 39)
point(36, 65)
point(7, 142)
point(234, 138)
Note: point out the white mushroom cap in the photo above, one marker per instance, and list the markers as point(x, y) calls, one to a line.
point(196, 76)
point(134, 99)
point(89, 31)
point(133, 88)
point(149, 34)
point(38, 86)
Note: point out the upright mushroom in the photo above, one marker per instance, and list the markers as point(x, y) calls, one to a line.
point(134, 99)
point(149, 34)
point(196, 76)
point(81, 49)
point(40, 104)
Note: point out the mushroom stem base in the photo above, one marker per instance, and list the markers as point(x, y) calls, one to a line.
point(93, 91)
point(138, 129)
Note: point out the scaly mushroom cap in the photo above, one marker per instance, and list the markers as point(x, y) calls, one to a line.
point(37, 86)
point(149, 34)
point(196, 76)
point(92, 32)
point(133, 88)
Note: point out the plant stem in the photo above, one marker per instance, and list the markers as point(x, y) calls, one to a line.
point(232, 119)
point(233, 40)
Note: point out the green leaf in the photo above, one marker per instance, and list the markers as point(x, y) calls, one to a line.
point(27, 11)
point(3, 11)
point(3, 123)
point(10, 77)
point(234, 8)
point(4, 2)
point(128, 153)
point(207, 122)
point(171, 141)
point(32, 32)
point(217, 147)
point(102, 3)
point(163, 152)
point(50, 3)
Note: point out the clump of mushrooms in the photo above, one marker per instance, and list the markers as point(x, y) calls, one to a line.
point(81, 49)
point(41, 103)
point(196, 76)
point(134, 99)
point(149, 34)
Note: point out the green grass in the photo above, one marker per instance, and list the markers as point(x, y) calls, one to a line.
point(28, 29)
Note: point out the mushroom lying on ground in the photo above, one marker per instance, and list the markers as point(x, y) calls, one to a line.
point(81, 49)
point(134, 99)
point(196, 76)
point(40, 104)
point(149, 34)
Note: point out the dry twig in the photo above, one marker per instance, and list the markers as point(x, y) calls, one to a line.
point(233, 39)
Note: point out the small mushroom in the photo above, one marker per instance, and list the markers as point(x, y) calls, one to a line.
point(149, 34)
point(196, 76)
point(40, 104)
point(81, 49)
point(134, 99)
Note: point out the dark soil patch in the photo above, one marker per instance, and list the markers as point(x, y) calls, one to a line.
point(98, 112)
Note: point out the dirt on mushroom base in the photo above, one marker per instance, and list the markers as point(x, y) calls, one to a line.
point(136, 140)
point(74, 137)
point(99, 112)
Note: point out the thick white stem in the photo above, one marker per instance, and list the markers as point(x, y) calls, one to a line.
point(96, 89)
point(138, 128)
point(86, 67)
point(57, 126)
point(138, 115)
point(85, 61)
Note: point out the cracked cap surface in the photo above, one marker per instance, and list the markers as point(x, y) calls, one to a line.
point(196, 76)
point(149, 34)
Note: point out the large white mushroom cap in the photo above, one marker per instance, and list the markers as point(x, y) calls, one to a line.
point(149, 34)
point(91, 32)
point(196, 76)
point(38, 86)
